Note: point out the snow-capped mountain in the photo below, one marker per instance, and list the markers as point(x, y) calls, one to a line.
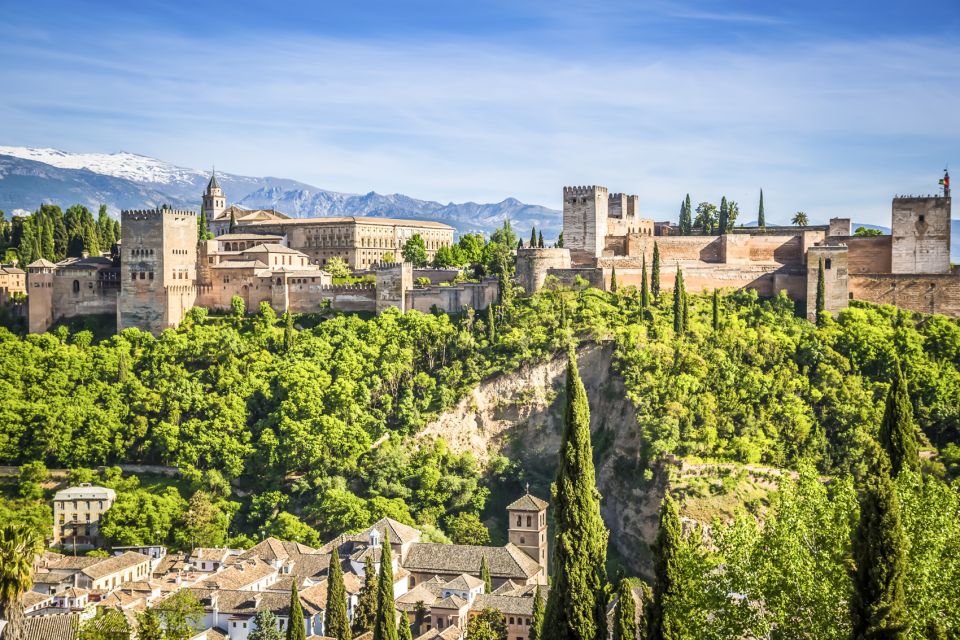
point(31, 176)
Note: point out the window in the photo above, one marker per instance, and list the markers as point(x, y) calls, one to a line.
point(528, 521)
point(519, 520)
point(523, 540)
point(76, 286)
point(826, 263)
point(922, 218)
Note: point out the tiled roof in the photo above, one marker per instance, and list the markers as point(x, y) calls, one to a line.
point(85, 493)
point(504, 562)
point(33, 598)
point(371, 220)
point(112, 565)
point(42, 263)
point(450, 633)
point(398, 531)
point(425, 593)
point(463, 582)
point(240, 575)
point(528, 503)
point(247, 603)
point(61, 626)
point(239, 264)
point(248, 236)
point(450, 602)
point(210, 553)
point(510, 605)
point(271, 247)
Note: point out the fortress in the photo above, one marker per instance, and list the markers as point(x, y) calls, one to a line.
point(909, 268)
point(162, 270)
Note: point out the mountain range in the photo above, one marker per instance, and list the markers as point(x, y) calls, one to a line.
point(31, 176)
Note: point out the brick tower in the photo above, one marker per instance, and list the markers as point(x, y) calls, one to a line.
point(528, 527)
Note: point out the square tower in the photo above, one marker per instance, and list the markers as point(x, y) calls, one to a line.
point(585, 221)
point(921, 235)
point(158, 268)
point(528, 528)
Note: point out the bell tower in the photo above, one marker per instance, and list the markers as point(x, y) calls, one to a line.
point(528, 527)
point(214, 202)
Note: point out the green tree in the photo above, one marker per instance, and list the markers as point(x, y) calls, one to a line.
point(366, 610)
point(420, 613)
point(733, 212)
point(644, 285)
point(30, 480)
point(203, 524)
point(679, 301)
point(385, 622)
point(489, 624)
point(296, 627)
point(265, 626)
point(761, 217)
point(625, 617)
point(877, 608)
point(821, 300)
point(724, 216)
point(415, 251)
point(107, 624)
point(706, 219)
point(389, 257)
point(485, 575)
point(180, 614)
point(19, 546)
point(667, 587)
point(237, 306)
point(576, 605)
point(536, 628)
point(800, 219)
point(655, 273)
point(403, 628)
point(865, 232)
point(533, 237)
point(540, 239)
point(560, 241)
point(338, 267)
point(897, 433)
point(233, 222)
point(613, 280)
point(716, 310)
point(202, 232)
point(336, 625)
point(686, 221)
point(466, 528)
point(491, 325)
point(149, 626)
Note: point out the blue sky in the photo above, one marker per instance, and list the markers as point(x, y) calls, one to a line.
point(830, 107)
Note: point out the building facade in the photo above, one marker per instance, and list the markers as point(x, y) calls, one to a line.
point(76, 515)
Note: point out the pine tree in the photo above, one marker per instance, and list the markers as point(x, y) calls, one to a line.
point(625, 619)
point(761, 218)
point(296, 627)
point(536, 628)
point(666, 588)
point(485, 575)
point(644, 287)
point(266, 628)
point(724, 215)
point(540, 239)
point(678, 297)
point(821, 294)
point(335, 622)
point(897, 432)
point(716, 310)
point(385, 620)
point(491, 325)
point(366, 607)
point(560, 241)
point(576, 605)
point(655, 273)
point(877, 608)
point(613, 280)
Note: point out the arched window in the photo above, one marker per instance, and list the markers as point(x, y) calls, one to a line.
point(76, 286)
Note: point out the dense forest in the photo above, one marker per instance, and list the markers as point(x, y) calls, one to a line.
point(300, 427)
point(53, 234)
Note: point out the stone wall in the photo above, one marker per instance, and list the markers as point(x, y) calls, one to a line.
point(835, 279)
point(867, 254)
point(454, 298)
point(534, 264)
point(767, 280)
point(933, 293)
point(568, 277)
point(673, 248)
point(585, 221)
point(393, 282)
point(921, 235)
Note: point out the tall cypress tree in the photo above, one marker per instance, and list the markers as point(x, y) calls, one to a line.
point(625, 619)
point(485, 575)
point(366, 607)
point(491, 325)
point(644, 287)
point(681, 221)
point(540, 239)
point(533, 237)
point(613, 280)
point(686, 308)
point(233, 222)
point(897, 433)
point(403, 628)
point(385, 622)
point(761, 218)
point(576, 605)
point(724, 215)
point(560, 241)
point(877, 607)
point(661, 624)
point(296, 627)
point(335, 622)
point(655, 273)
point(536, 628)
point(821, 294)
point(688, 216)
point(678, 297)
point(716, 310)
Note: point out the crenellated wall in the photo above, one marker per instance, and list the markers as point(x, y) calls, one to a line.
point(926, 293)
point(454, 298)
point(534, 264)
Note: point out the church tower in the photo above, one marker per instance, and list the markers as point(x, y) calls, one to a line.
point(214, 202)
point(528, 527)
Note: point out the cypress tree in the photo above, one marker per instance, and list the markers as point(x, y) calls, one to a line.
point(533, 237)
point(897, 433)
point(716, 310)
point(678, 302)
point(724, 215)
point(536, 629)
point(644, 287)
point(625, 619)
point(686, 308)
point(821, 294)
point(681, 221)
point(296, 628)
point(233, 222)
point(202, 225)
point(520, 244)
point(560, 241)
point(655, 273)
point(689, 216)
point(540, 239)
point(613, 280)
point(576, 605)
point(385, 621)
point(491, 325)
point(335, 622)
point(367, 600)
point(877, 607)
point(403, 628)
point(289, 333)
point(761, 218)
point(485, 575)
point(666, 587)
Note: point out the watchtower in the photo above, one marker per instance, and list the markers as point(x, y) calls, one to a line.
point(214, 202)
point(921, 234)
point(585, 212)
point(158, 268)
point(528, 527)
point(40, 313)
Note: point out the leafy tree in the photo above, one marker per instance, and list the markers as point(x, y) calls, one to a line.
point(536, 628)
point(108, 624)
point(180, 615)
point(897, 433)
point(149, 625)
point(366, 609)
point(336, 625)
point(800, 219)
point(489, 624)
point(576, 605)
point(655, 273)
point(504, 235)
point(733, 212)
point(415, 251)
point(485, 575)
point(821, 294)
point(30, 480)
point(878, 607)
point(19, 547)
point(204, 524)
point(388, 257)
point(296, 627)
point(667, 587)
point(338, 267)
point(625, 617)
point(761, 217)
point(466, 528)
point(706, 219)
point(865, 232)
point(265, 626)
point(471, 245)
point(237, 306)
point(384, 623)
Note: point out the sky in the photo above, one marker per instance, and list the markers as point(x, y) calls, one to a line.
point(829, 107)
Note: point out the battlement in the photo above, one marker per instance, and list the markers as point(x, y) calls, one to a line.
point(146, 214)
point(360, 286)
point(618, 196)
point(584, 190)
point(908, 198)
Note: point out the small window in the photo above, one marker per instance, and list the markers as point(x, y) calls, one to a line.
point(76, 286)
point(922, 218)
point(827, 263)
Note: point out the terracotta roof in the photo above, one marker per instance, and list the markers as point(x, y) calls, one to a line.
point(450, 602)
point(108, 566)
point(510, 605)
point(504, 562)
point(42, 263)
point(528, 503)
point(427, 594)
point(271, 247)
point(212, 633)
point(398, 531)
point(463, 582)
point(33, 598)
point(61, 626)
point(239, 264)
point(247, 603)
point(211, 553)
point(450, 633)
point(248, 236)
point(240, 575)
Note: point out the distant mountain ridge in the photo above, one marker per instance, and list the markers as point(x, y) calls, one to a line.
point(31, 176)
